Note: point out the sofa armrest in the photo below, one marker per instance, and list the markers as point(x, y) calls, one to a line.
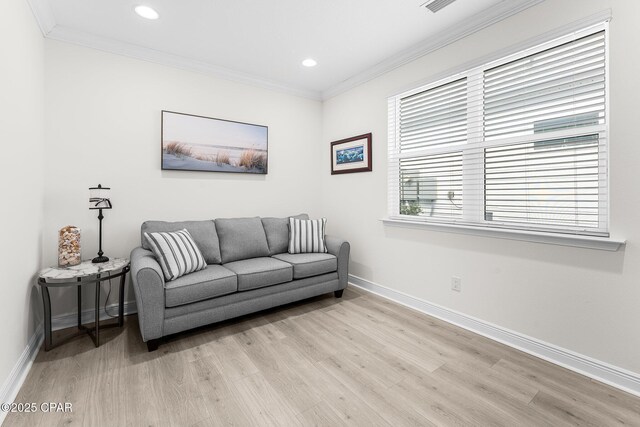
point(340, 249)
point(148, 285)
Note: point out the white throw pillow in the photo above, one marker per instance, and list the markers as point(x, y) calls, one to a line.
point(176, 252)
point(307, 235)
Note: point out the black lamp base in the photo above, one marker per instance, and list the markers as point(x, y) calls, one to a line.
point(99, 259)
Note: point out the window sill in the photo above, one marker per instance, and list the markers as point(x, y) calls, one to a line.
point(599, 243)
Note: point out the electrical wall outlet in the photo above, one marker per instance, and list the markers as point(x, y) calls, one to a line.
point(456, 284)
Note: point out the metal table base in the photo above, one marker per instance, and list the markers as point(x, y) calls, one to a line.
point(93, 332)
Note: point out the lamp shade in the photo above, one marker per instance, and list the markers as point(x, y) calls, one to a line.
point(99, 197)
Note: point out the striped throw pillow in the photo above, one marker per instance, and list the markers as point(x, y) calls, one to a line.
point(176, 252)
point(307, 235)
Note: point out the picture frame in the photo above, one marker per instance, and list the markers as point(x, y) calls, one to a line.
point(205, 144)
point(351, 155)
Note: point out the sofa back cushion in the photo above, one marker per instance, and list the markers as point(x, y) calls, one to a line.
point(203, 232)
point(241, 238)
point(277, 231)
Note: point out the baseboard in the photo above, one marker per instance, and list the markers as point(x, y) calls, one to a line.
point(19, 372)
point(88, 315)
point(612, 375)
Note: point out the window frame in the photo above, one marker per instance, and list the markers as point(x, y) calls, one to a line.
point(473, 188)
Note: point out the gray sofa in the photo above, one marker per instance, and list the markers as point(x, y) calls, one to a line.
point(248, 269)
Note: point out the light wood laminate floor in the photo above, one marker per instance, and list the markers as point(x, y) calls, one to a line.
point(360, 360)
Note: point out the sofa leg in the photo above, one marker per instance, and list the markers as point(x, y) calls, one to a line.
point(338, 294)
point(152, 345)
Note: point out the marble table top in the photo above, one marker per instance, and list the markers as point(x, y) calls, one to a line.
point(84, 269)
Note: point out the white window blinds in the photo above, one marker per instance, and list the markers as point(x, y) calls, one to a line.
point(435, 117)
point(516, 143)
point(555, 89)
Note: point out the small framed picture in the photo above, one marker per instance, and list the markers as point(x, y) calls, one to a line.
point(351, 154)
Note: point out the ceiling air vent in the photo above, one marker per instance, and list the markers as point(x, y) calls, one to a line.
point(436, 5)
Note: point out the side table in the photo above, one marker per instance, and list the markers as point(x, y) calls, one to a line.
point(81, 275)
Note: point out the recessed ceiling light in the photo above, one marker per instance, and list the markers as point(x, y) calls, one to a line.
point(309, 62)
point(146, 12)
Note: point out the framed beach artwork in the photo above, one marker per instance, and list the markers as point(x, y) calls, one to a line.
point(196, 143)
point(351, 155)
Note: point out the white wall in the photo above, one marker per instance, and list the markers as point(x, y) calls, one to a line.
point(21, 177)
point(103, 126)
point(580, 299)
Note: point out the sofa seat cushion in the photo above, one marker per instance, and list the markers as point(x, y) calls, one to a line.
point(311, 264)
point(213, 281)
point(260, 272)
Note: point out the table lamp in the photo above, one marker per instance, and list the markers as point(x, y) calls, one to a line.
point(99, 199)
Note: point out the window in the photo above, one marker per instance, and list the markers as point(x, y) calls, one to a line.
point(518, 143)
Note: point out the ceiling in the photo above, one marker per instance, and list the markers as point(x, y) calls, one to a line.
point(264, 42)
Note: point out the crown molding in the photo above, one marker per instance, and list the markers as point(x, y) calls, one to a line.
point(151, 55)
point(45, 18)
point(578, 25)
point(467, 27)
point(46, 21)
point(44, 15)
